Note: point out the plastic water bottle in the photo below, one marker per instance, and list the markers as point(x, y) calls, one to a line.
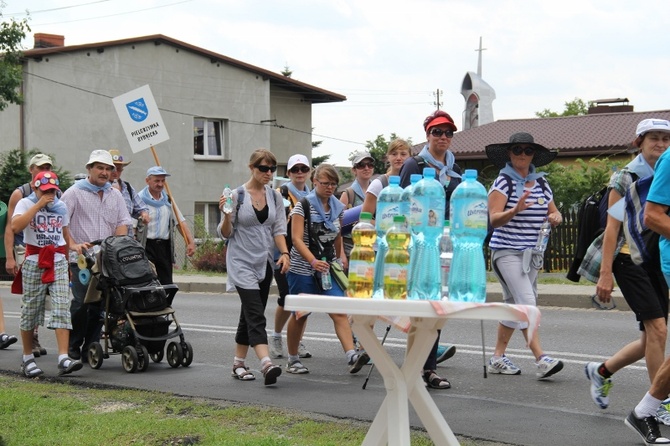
point(228, 204)
point(396, 261)
point(362, 259)
point(469, 219)
point(543, 236)
point(326, 283)
point(429, 195)
point(388, 206)
point(446, 256)
point(406, 196)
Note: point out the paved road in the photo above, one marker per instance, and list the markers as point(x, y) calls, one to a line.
point(517, 410)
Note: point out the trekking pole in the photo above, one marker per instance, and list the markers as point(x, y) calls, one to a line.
point(483, 348)
point(388, 328)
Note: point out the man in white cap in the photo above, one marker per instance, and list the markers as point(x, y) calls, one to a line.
point(96, 211)
point(15, 248)
point(159, 242)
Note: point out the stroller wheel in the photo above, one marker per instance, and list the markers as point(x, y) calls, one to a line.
point(143, 359)
point(175, 354)
point(95, 355)
point(129, 359)
point(188, 354)
point(158, 356)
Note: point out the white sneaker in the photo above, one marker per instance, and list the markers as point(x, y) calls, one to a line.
point(503, 366)
point(302, 351)
point(600, 386)
point(276, 348)
point(547, 367)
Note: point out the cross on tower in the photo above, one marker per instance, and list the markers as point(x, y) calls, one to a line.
point(479, 58)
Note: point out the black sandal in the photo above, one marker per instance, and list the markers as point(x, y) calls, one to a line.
point(241, 372)
point(434, 381)
point(270, 373)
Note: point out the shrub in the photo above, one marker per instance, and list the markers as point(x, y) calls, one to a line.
point(210, 256)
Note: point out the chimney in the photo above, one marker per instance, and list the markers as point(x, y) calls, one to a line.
point(43, 40)
point(620, 105)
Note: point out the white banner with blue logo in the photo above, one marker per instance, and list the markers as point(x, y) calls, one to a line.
point(140, 118)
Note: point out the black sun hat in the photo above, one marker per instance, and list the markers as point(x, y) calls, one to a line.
point(498, 154)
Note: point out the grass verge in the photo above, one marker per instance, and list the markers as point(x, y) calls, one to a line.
point(43, 411)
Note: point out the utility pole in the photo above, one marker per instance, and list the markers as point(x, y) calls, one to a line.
point(437, 93)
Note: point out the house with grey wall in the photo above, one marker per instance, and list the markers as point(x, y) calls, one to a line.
point(216, 110)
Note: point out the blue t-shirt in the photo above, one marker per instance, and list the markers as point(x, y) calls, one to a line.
point(659, 193)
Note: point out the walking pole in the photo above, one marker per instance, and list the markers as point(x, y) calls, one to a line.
point(483, 348)
point(388, 328)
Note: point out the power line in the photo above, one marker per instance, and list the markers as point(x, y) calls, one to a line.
point(192, 115)
point(24, 13)
point(108, 15)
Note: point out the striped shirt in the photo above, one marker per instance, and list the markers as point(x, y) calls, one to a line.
point(93, 218)
point(299, 265)
point(521, 231)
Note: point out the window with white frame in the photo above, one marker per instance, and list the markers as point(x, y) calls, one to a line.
point(211, 216)
point(210, 138)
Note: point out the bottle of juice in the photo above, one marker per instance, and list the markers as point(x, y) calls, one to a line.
point(362, 258)
point(396, 262)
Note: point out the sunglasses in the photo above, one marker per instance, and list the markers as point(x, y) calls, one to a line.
point(296, 169)
point(266, 169)
point(365, 165)
point(439, 132)
point(528, 151)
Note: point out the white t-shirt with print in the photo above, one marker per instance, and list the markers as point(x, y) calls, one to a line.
point(46, 228)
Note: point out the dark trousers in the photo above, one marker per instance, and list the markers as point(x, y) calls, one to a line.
point(251, 327)
point(86, 318)
point(159, 252)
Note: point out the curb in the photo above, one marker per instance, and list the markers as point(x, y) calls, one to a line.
point(561, 296)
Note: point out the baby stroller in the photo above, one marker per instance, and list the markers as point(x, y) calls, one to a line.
point(137, 310)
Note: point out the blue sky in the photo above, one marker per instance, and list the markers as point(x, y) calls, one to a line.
point(389, 57)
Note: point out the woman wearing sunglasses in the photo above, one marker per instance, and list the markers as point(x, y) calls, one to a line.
point(298, 172)
point(315, 230)
point(520, 200)
point(440, 128)
point(354, 196)
point(253, 229)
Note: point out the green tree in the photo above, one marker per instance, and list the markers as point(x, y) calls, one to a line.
point(572, 184)
point(11, 69)
point(378, 148)
point(316, 160)
point(14, 172)
point(576, 107)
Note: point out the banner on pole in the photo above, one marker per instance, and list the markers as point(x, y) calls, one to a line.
point(140, 118)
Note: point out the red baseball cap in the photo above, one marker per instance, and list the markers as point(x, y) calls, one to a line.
point(46, 180)
point(437, 118)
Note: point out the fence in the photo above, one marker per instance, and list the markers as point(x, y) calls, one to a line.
point(562, 243)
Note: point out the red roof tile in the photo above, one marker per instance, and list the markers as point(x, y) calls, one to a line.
point(572, 136)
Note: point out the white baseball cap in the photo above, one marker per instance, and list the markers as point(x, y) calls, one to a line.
point(652, 125)
point(40, 159)
point(297, 159)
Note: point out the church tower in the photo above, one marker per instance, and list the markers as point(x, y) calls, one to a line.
point(478, 96)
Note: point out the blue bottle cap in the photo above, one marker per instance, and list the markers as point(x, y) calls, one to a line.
point(394, 179)
point(414, 178)
point(429, 172)
point(471, 173)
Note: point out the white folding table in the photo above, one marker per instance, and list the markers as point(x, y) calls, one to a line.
point(404, 384)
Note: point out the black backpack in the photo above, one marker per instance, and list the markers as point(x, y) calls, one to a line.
point(124, 262)
point(591, 222)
